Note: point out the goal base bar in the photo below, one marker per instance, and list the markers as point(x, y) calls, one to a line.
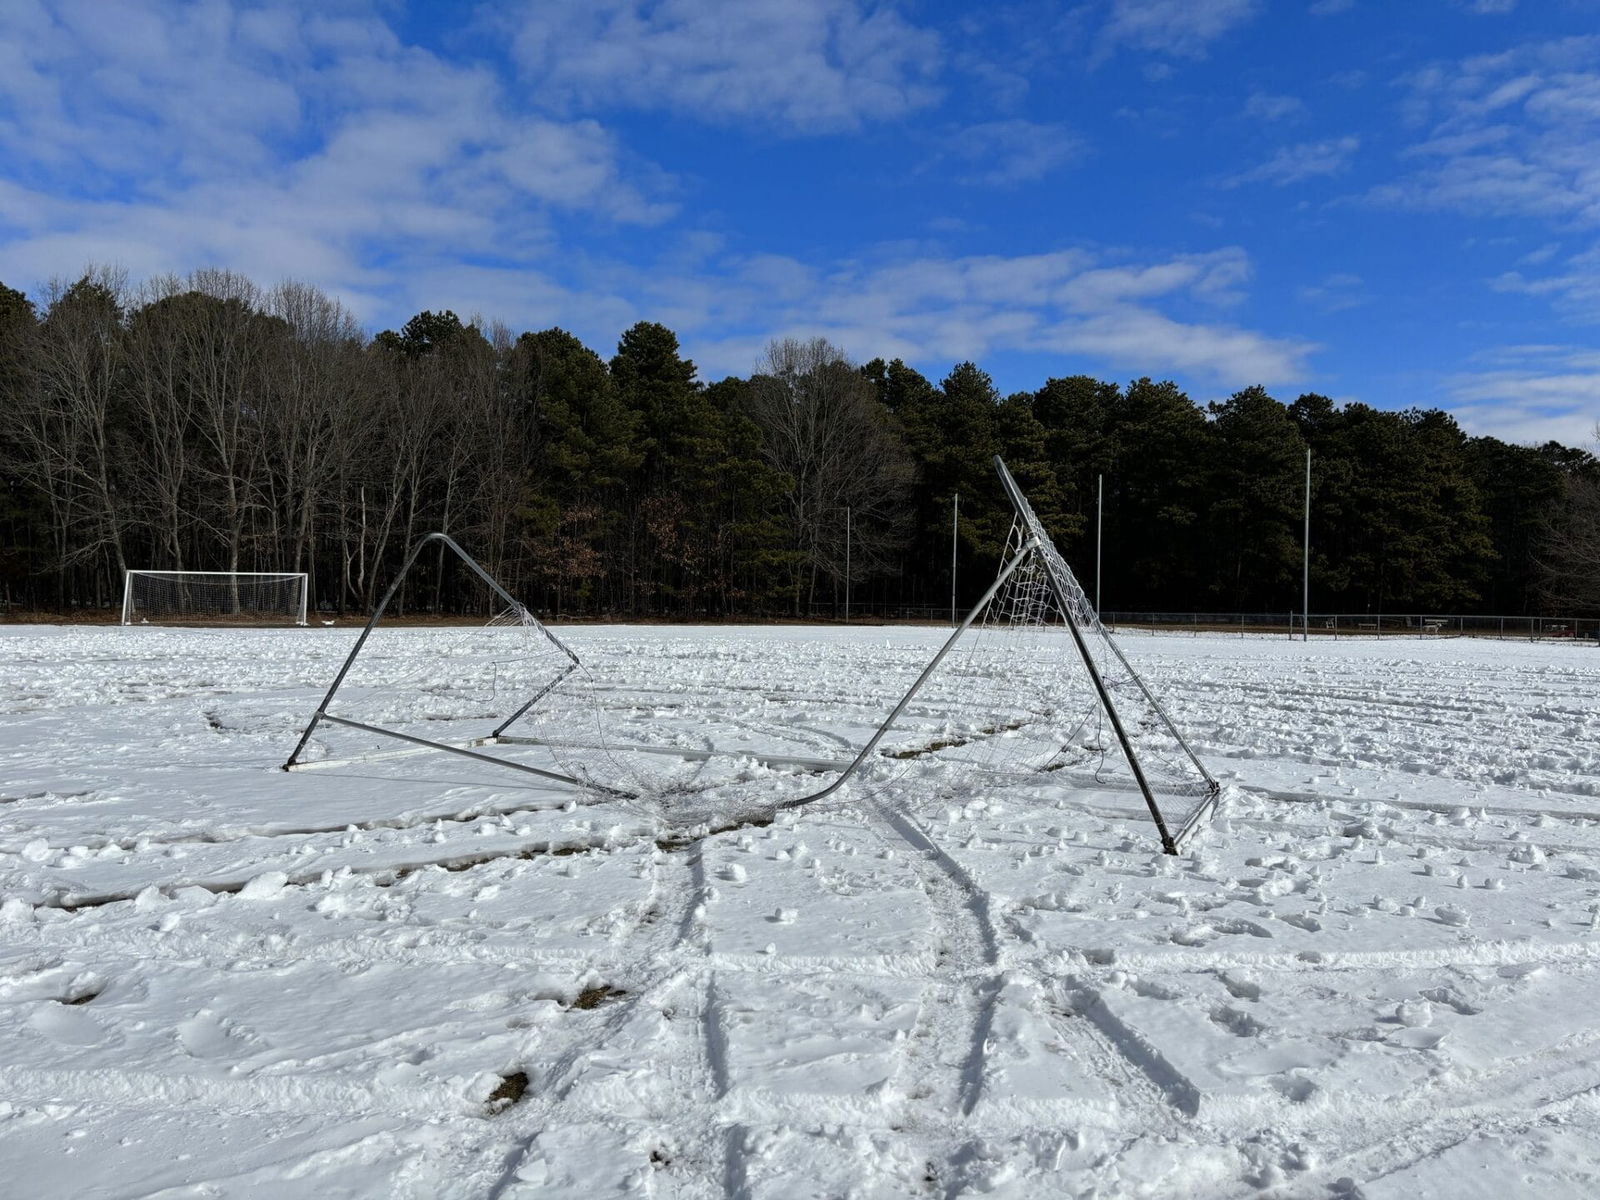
point(766, 760)
point(469, 749)
point(447, 748)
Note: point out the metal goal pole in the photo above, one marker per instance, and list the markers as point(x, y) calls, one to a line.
point(377, 615)
point(1028, 548)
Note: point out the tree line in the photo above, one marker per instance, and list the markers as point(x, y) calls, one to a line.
point(205, 423)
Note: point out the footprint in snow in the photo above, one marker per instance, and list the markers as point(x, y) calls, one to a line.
point(205, 1035)
point(66, 1026)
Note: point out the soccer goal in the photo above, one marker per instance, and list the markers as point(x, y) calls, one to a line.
point(1031, 687)
point(452, 687)
point(485, 675)
point(214, 597)
point(1029, 691)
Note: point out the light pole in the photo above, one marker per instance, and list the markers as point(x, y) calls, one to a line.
point(955, 531)
point(1305, 568)
point(1099, 520)
point(847, 564)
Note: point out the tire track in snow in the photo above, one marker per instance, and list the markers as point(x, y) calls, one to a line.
point(942, 1072)
point(667, 972)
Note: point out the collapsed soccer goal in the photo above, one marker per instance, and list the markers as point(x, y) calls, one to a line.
point(1029, 690)
point(1032, 688)
point(214, 597)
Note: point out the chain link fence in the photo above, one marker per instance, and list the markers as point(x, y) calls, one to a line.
point(1361, 625)
point(1262, 624)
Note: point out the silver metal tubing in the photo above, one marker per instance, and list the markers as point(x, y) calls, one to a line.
point(1015, 494)
point(955, 636)
point(1206, 810)
point(537, 696)
point(766, 760)
point(1025, 510)
point(377, 615)
point(446, 748)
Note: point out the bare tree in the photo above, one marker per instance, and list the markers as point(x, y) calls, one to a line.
point(160, 414)
point(308, 416)
point(1569, 555)
point(65, 426)
point(225, 357)
point(823, 428)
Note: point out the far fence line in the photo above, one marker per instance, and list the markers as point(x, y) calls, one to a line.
point(1358, 625)
point(1268, 624)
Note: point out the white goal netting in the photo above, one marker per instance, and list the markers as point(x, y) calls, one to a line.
point(1031, 689)
point(214, 598)
point(1036, 691)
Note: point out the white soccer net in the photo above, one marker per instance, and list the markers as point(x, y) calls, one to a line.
point(214, 598)
point(1037, 691)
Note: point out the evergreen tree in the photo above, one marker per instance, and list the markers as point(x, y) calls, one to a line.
point(1257, 505)
point(1156, 498)
point(21, 509)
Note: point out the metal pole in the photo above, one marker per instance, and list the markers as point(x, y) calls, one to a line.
point(1099, 518)
point(377, 615)
point(846, 564)
point(1017, 560)
point(955, 531)
point(1020, 504)
point(1305, 601)
point(463, 752)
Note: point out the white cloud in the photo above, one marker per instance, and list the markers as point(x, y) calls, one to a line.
point(1007, 153)
point(165, 137)
point(1112, 315)
point(1574, 289)
point(1308, 160)
point(1509, 134)
point(1268, 107)
point(809, 64)
point(1532, 394)
point(397, 179)
point(1184, 28)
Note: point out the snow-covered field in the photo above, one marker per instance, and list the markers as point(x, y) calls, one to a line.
point(1374, 975)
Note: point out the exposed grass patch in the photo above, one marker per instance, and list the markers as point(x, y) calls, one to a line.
point(512, 1088)
point(670, 843)
point(952, 742)
point(595, 995)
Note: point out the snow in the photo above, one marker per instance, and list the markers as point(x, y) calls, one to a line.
point(1372, 975)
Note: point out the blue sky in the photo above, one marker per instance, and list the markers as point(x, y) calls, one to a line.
point(1394, 202)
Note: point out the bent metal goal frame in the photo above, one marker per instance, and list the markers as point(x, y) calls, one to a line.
point(1069, 597)
point(465, 751)
point(1037, 542)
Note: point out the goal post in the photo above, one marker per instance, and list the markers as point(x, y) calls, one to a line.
point(1046, 689)
point(215, 597)
point(1030, 688)
point(497, 673)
